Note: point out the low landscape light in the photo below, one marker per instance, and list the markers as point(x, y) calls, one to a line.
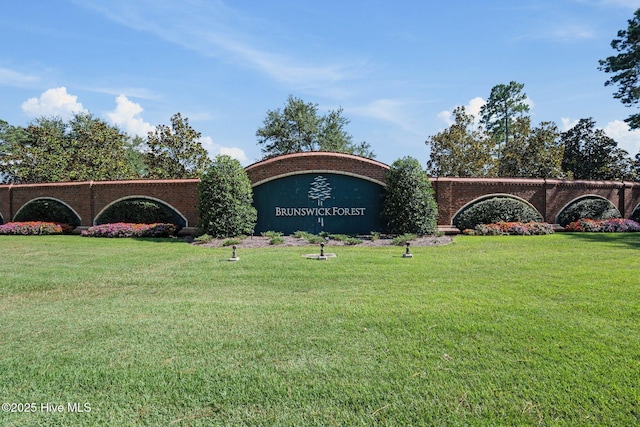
point(234, 256)
point(407, 254)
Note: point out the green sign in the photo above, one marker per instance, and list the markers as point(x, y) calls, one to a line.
point(335, 203)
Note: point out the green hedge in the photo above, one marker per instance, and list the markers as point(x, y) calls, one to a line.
point(47, 210)
point(139, 211)
point(496, 209)
point(591, 208)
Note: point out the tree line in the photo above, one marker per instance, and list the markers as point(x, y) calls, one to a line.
point(87, 148)
point(502, 142)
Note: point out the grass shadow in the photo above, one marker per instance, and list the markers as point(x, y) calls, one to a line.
point(631, 240)
point(159, 239)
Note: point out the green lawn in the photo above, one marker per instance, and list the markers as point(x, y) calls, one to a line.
point(540, 330)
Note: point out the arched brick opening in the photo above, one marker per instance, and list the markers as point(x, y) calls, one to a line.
point(181, 220)
point(491, 196)
point(67, 210)
point(580, 198)
point(635, 213)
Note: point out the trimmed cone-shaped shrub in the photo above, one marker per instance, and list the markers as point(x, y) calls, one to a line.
point(409, 205)
point(226, 199)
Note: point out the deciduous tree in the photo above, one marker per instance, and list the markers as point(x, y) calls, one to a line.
point(590, 154)
point(462, 150)
point(175, 151)
point(50, 150)
point(299, 127)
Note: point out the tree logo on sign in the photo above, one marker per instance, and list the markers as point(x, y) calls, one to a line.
point(320, 190)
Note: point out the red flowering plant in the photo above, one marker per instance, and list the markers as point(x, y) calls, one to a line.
point(122, 229)
point(35, 228)
point(513, 228)
point(611, 225)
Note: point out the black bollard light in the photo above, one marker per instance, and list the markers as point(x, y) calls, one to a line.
point(322, 256)
point(234, 257)
point(407, 254)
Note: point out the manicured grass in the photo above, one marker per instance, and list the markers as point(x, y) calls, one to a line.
point(541, 330)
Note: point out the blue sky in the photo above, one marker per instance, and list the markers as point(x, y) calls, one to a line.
point(396, 68)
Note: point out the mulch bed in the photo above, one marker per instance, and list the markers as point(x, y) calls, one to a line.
point(262, 242)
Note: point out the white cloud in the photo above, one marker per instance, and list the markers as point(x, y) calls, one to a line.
point(215, 149)
point(125, 117)
point(567, 123)
point(628, 140)
point(618, 130)
point(473, 107)
point(53, 102)
point(446, 117)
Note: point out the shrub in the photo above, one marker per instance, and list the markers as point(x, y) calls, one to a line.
point(138, 212)
point(403, 239)
point(35, 228)
point(347, 240)
point(513, 229)
point(611, 225)
point(46, 210)
point(271, 234)
point(409, 206)
point(591, 207)
point(130, 230)
point(231, 242)
point(276, 240)
point(313, 239)
point(204, 238)
point(496, 209)
point(226, 197)
point(352, 241)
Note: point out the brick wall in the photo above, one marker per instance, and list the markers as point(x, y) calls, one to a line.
point(549, 196)
point(89, 198)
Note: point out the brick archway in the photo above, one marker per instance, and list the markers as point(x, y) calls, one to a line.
point(317, 162)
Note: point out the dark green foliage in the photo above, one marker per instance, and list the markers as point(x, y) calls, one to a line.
point(51, 150)
point(402, 239)
point(590, 154)
point(176, 151)
point(299, 127)
point(624, 67)
point(494, 210)
point(635, 215)
point(498, 114)
point(139, 211)
point(589, 207)
point(226, 198)
point(47, 210)
point(409, 206)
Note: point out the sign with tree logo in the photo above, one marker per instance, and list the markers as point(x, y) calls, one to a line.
point(329, 202)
